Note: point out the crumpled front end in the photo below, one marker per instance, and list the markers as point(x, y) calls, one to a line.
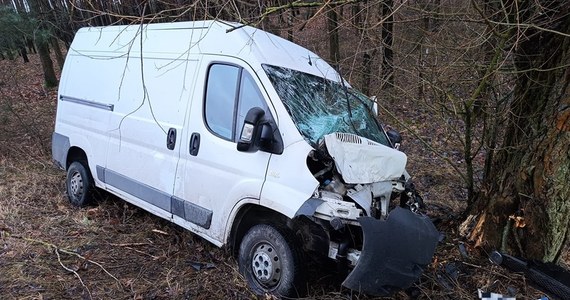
point(394, 253)
point(366, 216)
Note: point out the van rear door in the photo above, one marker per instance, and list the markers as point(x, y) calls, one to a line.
point(212, 175)
point(147, 130)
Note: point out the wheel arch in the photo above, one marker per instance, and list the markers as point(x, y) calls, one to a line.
point(248, 216)
point(312, 235)
point(76, 154)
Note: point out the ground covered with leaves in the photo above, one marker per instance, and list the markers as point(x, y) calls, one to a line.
point(51, 250)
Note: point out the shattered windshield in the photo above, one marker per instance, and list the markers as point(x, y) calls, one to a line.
point(320, 106)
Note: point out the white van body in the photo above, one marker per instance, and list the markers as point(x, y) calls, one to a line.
point(148, 110)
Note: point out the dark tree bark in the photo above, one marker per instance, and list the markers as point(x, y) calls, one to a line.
point(57, 50)
point(431, 14)
point(356, 15)
point(526, 205)
point(361, 23)
point(290, 16)
point(31, 46)
point(332, 26)
point(24, 54)
point(50, 80)
point(388, 56)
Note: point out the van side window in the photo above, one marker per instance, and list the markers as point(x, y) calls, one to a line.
point(230, 93)
point(221, 93)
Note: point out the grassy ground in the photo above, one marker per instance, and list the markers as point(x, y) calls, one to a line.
point(50, 250)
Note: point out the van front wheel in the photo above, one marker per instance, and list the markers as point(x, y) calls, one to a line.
point(79, 184)
point(271, 262)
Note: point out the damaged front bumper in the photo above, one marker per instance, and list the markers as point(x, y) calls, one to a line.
point(394, 254)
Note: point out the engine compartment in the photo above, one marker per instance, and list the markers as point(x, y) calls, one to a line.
point(332, 228)
point(373, 199)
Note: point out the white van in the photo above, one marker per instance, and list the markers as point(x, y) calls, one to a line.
point(247, 140)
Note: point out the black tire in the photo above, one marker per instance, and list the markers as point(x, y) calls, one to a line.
point(79, 184)
point(271, 262)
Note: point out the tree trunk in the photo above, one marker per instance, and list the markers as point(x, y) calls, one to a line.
point(41, 41)
point(366, 72)
point(24, 54)
point(57, 50)
point(525, 209)
point(30, 45)
point(356, 15)
point(290, 16)
point(388, 57)
point(50, 79)
point(332, 24)
point(360, 16)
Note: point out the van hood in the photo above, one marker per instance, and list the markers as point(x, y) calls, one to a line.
point(360, 160)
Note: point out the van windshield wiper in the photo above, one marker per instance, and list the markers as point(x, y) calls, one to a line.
point(347, 101)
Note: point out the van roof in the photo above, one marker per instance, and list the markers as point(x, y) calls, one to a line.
point(180, 39)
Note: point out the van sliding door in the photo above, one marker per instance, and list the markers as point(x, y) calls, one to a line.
point(147, 131)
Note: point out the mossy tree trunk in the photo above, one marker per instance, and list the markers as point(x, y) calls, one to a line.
point(525, 205)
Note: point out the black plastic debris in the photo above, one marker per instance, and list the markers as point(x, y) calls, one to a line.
point(548, 276)
point(448, 274)
point(441, 237)
point(463, 250)
point(201, 266)
point(452, 271)
point(444, 282)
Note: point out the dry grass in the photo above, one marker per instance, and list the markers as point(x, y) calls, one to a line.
point(50, 250)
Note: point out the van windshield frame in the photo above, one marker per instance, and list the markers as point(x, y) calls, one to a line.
point(319, 106)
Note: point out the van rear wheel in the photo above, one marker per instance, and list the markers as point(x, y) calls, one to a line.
point(271, 262)
point(79, 184)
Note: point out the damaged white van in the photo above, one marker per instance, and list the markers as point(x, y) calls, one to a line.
point(247, 140)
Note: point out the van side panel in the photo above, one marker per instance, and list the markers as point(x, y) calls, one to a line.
point(86, 94)
point(289, 183)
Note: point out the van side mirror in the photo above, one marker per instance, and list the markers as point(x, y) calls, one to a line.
point(250, 130)
point(374, 105)
point(395, 138)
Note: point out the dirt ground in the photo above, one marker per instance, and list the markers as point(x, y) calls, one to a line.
point(51, 250)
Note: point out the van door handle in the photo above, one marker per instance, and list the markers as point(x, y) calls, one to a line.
point(194, 143)
point(171, 138)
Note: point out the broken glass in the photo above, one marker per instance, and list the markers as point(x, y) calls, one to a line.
point(319, 106)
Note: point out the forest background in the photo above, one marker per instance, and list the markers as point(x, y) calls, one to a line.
point(478, 88)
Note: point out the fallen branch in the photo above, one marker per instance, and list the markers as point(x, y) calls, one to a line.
point(141, 252)
point(57, 250)
point(74, 272)
point(129, 244)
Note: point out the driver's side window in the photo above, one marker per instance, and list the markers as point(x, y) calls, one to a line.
point(230, 93)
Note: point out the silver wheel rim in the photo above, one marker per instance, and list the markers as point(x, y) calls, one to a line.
point(76, 184)
point(266, 264)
